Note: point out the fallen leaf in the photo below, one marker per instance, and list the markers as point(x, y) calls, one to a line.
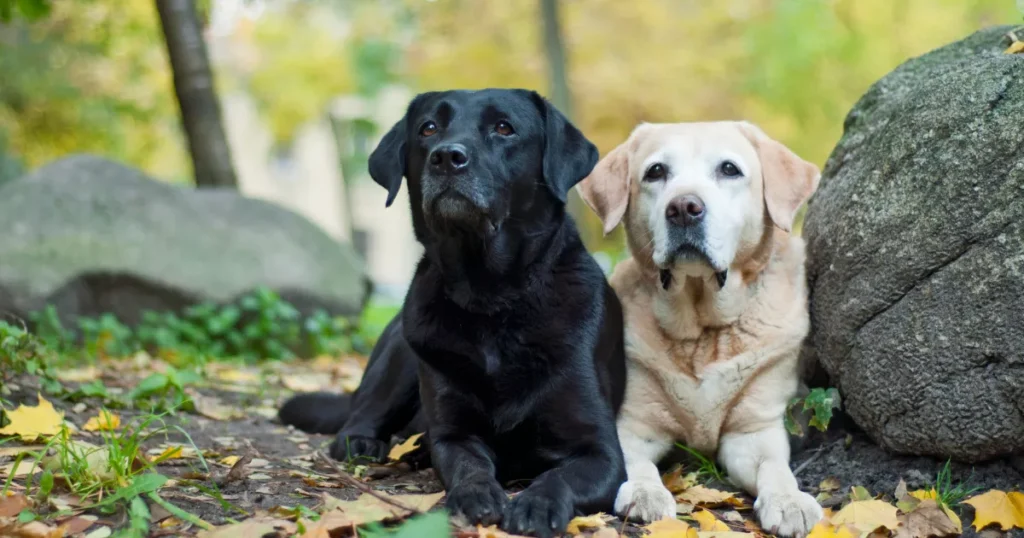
point(923, 495)
point(78, 524)
point(102, 532)
point(901, 489)
point(670, 528)
point(255, 526)
point(998, 507)
point(213, 407)
point(708, 521)
point(171, 453)
point(724, 534)
point(702, 496)
point(676, 482)
point(927, 520)
point(684, 508)
point(586, 523)
point(824, 529)
point(11, 528)
point(105, 421)
point(368, 508)
point(606, 532)
point(306, 382)
point(31, 422)
point(860, 493)
point(830, 484)
point(866, 516)
point(404, 448)
point(238, 470)
point(732, 516)
point(494, 532)
point(12, 505)
point(1015, 48)
point(230, 460)
point(14, 451)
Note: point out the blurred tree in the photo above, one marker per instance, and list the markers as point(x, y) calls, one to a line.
point(193, 84)
point(30, 9)
point(555, 53)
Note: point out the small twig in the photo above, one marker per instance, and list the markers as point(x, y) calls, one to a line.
point(350, 480)
point(815, 456)
point(625, 518)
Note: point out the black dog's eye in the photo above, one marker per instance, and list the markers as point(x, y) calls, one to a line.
point(655, 172)
point(729, 169)
point(428, 129)
point(504, 128)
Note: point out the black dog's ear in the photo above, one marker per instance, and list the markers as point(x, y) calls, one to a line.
point(387, 162)
point(568, 155)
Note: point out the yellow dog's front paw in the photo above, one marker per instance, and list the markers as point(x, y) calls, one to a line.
point(788, 513)
point(645, 500)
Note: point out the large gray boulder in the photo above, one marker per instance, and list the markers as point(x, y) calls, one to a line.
point(91, 236)
point(916, 255)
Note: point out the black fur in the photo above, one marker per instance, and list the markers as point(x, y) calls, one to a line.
point(508, 349)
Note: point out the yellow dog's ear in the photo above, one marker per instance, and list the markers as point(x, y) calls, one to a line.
point(606, 189)
point(788, 180)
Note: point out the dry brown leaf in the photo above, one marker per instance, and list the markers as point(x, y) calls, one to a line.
point(13, 451)
point(867, 516)
point(212, 407)
point(702, 496)
point(256, 526)
point(901, 489)
point(11, 528)
point(586, 523)
point(928, 519)
point(998, 507)
point(368, 508)
point(670, 528)
point(12, 505)
point(238, 470)
point(404, 448)
point(78, 524)
point(676, 482)
point(31, 422)
point(708, 521)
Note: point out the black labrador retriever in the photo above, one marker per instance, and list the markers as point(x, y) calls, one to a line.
point(509, 347)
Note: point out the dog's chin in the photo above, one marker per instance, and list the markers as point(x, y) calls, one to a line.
point(453, 213)
point(692, 260)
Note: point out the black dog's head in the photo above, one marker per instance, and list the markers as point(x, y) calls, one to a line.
point(476, 159)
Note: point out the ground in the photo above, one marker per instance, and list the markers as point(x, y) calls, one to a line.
point(282, 479)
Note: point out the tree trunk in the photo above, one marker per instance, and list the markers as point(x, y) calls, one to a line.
point(193, 84)
point(556, 57)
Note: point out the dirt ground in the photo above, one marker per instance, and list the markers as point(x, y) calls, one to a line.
point(285, 471)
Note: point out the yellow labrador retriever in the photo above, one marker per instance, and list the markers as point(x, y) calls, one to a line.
point(715, 306)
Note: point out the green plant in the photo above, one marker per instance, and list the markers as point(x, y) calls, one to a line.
point(818, 403)
point(106, 336)
point(46, 325)
point(706, 467)
point(23, 353)
point(949, 493)
point(327, 335)
point(165, 390)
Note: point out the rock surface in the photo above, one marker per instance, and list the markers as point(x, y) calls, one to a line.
point(916, 255)
point(91, 236)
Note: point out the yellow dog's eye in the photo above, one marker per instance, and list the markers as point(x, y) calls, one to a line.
point(729, 169)
point(504, 128)
point(655, 172)
point(428, 129)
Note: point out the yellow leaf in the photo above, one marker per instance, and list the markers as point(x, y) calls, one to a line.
point(105, 421)
point(723, 534)
point(954, 518)
point(703, 496)
point(670, 528)
point(824, 529)
point(404, 448)
point(928, 519)
point(675, 482)
point(866, 516)
point(829, 484)
point(30, 423)
point(924, 495)
point(169, 453)
point(79, 375)
point(230, 460)
point(493, 532)
point(589, 523)
point(708, 521)
point(1016, 47)
point(998, 507)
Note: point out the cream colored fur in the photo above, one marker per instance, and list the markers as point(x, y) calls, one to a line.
point(711, 367)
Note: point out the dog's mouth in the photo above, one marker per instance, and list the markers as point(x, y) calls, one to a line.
point(690, 253)
point(452, 210)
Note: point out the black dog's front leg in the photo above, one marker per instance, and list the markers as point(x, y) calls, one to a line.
point(466, 466)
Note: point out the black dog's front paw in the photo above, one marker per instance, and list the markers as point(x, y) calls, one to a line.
point(481, 501)
point(358, 449)
point(539, 512)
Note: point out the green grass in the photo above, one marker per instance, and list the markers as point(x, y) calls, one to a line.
point(706, 467)
point(949, 492)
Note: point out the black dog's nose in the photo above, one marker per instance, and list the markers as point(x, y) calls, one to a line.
point(685, 210)
point(449, 157)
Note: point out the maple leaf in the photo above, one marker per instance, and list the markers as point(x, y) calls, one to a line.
point(824, 529)
point(708, 521)
point(105, 421)
point(670, 528)
point(998, 507)
point(675, 482)
point(700, 495)
point(32, 422)
point(928, 519)
point(867, 516)
point(405, 447)
point(588, 523)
